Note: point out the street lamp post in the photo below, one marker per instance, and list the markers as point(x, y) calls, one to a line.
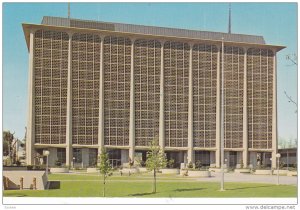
point(278, 157)
point(73, 162)
point(46, 153)
point(222, 120)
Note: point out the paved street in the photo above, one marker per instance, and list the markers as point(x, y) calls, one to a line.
point(234, 177)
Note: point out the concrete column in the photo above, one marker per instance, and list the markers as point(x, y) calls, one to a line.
point(245, 114)
point(274, 118)
point(162, 99)
point(85, 157)
point(124, 156)
point(101, 100)
point(212, 157)
point(132, 106)
point(52, 156)
point(31, 110)
point(190, 109)
point(218, 111)
point(69, 150)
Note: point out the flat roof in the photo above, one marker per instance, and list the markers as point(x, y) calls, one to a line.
point(75, 25)
point(153, 30)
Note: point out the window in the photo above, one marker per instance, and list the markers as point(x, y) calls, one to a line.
point(61, 155)
point(77, 154)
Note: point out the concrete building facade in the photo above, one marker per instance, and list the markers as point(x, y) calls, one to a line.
point(95, 85)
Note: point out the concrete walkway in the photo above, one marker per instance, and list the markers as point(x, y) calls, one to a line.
point(251, 178)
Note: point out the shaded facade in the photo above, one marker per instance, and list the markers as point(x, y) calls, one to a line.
point(119, 86)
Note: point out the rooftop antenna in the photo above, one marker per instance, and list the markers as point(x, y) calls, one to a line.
point(229, 23)
point(69, 10)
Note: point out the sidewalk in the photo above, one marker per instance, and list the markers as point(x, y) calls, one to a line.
point(251, 178)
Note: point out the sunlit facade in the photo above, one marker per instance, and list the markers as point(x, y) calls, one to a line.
point(95, 85)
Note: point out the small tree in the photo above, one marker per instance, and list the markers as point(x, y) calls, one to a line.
point(156, 159)
point(105, 167)
point(171, 163)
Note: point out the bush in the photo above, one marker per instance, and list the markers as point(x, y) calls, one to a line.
point(58, 163)
point(281, 164)
point(198, 164)
point(142, 163)
point(29, 167)
point(131, 163)
point(171, 163)
point(190, 165)
point(241, 163)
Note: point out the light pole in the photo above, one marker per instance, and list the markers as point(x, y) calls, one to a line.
point(222, 120)
point(73, 162)
point(46, 153)
point(278, 156)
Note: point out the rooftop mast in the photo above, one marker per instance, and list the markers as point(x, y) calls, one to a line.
point(229, 17)
point(69, 10)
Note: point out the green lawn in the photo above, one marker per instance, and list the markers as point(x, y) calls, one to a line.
point(90, 185)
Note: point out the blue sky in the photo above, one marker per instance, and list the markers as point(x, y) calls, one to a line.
point(276, 22)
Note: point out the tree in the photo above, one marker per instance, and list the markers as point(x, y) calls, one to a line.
point(105, 167)
point(9, 148)
point(293, 59)
point(291, 100)
point(156, 159)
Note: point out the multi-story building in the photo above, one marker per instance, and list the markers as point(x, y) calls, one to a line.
point(119, 86)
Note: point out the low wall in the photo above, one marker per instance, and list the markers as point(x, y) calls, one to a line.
point(263, 172)
point(59, 170)
point(92, 170)
point(192, 173)
point(242, 170)
point(199, 173)
point(292, 173)
point(281, 172)
point(142, 170)
point(218, 170)
point(170, 171)
point(127, 171)
point(13, 179)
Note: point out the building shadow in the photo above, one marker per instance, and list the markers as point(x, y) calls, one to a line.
point(190, 189)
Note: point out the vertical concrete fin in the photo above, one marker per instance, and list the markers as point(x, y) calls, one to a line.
point(190, 108)
point(132, 106)
point(69, 154)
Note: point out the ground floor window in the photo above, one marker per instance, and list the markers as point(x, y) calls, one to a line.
point(61, 155)
point(77, 154)
point(203, 157)
point(93, 157)
point(114, 156)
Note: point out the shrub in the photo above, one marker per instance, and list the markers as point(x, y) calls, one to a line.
point(29, 167)
point(190, 165)
point(143, 164)
point(131, 162)
point(241, 163)
point(198, 164)
point(281, 164)
point(58, 163)
point(171, 163)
